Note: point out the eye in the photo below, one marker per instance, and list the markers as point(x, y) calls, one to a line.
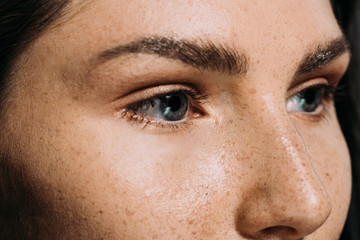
point(307, 100)
point(168, 107)
point(172, 109)
point(310, 101)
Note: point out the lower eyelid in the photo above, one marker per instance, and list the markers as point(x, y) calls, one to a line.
point(321, 116)
point(153, 122)
point(146, 122)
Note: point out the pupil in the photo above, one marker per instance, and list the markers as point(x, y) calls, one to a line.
point(310, 99)
point(310, 96)
point(174, 107)
point(174, 103)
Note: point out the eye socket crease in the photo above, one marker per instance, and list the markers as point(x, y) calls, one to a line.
point(323, 60)
point(322, 55)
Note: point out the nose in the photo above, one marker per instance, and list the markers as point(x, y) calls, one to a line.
point(284, 198)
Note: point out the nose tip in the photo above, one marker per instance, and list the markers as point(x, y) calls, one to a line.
point(288, 204)
point(289, 217)
point(295, 215)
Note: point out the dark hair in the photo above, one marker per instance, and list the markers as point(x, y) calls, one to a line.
point(348, 109)
point(21, 21)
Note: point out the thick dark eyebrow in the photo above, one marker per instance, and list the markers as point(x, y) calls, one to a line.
point(203, 55)
point(322, 55)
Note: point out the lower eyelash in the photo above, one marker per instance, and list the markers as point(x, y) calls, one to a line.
point(130, 113)
point(145, 122)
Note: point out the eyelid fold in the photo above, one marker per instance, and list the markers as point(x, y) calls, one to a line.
point(154, 91)
point(128, 107)
point(125, 105)
point(306, 84)
point(321, 112)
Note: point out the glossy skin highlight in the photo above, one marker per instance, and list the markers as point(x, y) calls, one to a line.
point(240, 166)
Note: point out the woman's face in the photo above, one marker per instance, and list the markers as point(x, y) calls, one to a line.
point(184, 120)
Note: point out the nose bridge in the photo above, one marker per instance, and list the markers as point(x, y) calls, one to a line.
point(287, 164)
point(286, 190)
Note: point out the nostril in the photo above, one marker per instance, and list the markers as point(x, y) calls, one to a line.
point(275, 232)
point(279, 231)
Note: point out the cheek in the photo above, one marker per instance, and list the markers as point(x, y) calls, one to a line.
point(168, 180)
point(111, 178)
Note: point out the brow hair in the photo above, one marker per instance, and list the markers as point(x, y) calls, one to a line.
point(206, 56)
point(322, 55)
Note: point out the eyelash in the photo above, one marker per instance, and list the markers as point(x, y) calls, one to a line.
point(327, 97)
point(196, 98)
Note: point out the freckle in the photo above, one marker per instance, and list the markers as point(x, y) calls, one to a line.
point(101, 212)
point(124, 223)
point(128, 212)
point(329, 176)
point(252, 91)
point(193, 233)
point(244, 106)
point(190, 222)
point(283, 208)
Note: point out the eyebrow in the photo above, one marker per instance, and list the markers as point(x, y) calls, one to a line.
point(203, 55)
point(322, 55)
point(208, 56)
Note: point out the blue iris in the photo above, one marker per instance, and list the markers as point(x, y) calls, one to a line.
point(307, 100)
point(168, 107)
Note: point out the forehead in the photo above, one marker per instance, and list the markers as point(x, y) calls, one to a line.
point(231, 19)
point(281, 30)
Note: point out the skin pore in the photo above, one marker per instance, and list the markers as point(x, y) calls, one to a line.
point(244, 161)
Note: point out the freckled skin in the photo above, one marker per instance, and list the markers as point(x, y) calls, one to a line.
point(246, 169)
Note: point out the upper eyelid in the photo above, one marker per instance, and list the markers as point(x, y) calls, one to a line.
point(332, 72)
point(304, 85)
point(151, 92)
